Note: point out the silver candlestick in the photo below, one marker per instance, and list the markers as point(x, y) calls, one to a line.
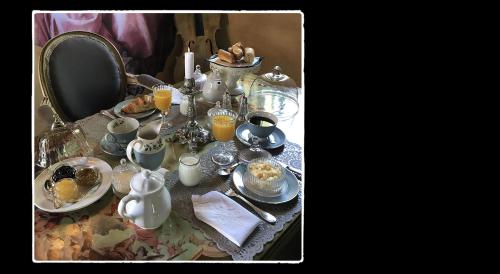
point(191, 133)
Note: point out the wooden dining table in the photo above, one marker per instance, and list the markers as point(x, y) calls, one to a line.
point(98, 232)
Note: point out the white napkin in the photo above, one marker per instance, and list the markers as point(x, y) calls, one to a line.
point(225, 215)
point(176, 96)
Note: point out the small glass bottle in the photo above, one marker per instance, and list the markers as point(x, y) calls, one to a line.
point(226, 101)
point(242, 111)
point(122, 174)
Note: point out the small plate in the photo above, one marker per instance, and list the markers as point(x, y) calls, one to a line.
point(41, 200)
point(291, 190)
point(277, 137)
point(118, 111)
point(112, 148)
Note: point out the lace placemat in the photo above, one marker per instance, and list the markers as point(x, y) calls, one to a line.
point(182, 204)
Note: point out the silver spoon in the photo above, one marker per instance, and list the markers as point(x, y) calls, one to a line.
point(48, 185)
point(108, 114)
point(224, 171)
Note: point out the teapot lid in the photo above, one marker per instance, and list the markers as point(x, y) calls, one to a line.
point(198, 75)
point(147, 181)
point(278, 78)
point(197, 71)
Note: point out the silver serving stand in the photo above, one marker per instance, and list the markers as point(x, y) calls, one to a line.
point(191, 133)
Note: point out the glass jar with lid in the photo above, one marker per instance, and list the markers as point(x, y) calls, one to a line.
point(276, 93)
point(122, 174)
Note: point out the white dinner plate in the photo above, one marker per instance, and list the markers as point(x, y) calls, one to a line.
point(41, 200)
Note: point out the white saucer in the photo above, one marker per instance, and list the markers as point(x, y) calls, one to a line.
point(111, 148)
point(275, 139)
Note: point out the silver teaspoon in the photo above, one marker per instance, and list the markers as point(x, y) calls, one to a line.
point(227, 170)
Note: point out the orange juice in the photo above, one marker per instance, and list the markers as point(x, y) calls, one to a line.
point(163, 99)
point(223, 127)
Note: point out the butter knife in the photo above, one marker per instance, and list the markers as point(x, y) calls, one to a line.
point(294, 171)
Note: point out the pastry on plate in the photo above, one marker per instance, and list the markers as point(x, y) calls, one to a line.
point(139, 104)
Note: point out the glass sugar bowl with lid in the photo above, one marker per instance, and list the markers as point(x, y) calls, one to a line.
point(122, 174)
point(274, 92)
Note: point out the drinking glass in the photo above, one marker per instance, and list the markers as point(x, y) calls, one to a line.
point(163, 101)
point(223, 128)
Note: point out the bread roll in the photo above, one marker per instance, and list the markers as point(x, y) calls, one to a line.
point(226, 56)
point(249, 55)
point(235, 49)
point(239, 44)
point(238, 52)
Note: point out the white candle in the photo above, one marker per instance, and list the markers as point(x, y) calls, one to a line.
point(188, 64)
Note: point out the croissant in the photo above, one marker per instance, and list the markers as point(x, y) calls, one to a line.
point(139, 104)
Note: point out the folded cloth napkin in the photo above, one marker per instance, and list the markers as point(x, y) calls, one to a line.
point(176, 96)
point(225, 215)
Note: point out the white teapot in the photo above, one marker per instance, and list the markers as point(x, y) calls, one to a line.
point(214, 88)
point(148, 204)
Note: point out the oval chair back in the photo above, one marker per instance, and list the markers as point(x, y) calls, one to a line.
point(81, 73)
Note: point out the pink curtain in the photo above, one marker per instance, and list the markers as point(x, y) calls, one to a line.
point(133, 32)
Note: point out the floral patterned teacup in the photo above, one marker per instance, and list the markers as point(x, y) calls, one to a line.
point(123, 130)
point(148, 150)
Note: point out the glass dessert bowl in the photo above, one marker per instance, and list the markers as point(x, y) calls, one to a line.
point(265, 177)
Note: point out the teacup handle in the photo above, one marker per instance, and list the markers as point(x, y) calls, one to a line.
point(122, 209)
point(129, 151)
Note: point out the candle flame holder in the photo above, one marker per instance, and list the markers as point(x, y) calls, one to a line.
point(191, 133)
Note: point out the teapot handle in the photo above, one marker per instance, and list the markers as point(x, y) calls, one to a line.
point(129, 151)
point(123, 203)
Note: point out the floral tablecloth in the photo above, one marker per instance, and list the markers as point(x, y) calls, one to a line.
point(98, 232)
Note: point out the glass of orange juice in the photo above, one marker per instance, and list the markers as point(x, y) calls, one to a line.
point(223, 128)
point(162, 95)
